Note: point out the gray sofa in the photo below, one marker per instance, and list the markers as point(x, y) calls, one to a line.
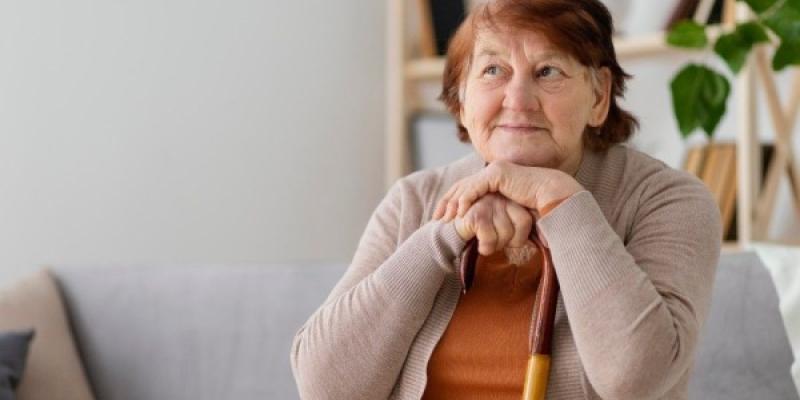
point(223, 332)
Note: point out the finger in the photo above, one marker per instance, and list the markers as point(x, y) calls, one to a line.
point(523, 223)
point(487, 237)
point(438, 210)
point(502, 222)
point(474, 190)
point(462, 205)
point(447, 203)
point(463, 228)
point(452, 205)
point(442, 206)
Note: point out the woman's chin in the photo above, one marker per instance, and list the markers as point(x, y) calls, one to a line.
point(527, 158)
point(532, 150)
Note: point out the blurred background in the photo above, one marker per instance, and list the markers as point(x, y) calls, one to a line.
point(188, 131)
point(241, 131)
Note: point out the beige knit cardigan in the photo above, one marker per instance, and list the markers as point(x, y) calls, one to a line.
point(635, 255)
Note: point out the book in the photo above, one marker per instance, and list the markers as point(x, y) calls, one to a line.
point(695, 157)
point(715, 164)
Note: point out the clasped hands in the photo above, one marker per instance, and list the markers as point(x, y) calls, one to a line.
point(500, 203)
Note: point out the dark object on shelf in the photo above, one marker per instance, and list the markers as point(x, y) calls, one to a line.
point(686, 9)
point(446, 16)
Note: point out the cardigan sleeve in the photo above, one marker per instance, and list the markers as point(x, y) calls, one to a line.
point(355, 344)
point(636, 309)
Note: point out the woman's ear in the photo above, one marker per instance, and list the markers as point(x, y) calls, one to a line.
point(602, 96)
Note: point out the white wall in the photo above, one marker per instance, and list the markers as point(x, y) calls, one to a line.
point(202, 131)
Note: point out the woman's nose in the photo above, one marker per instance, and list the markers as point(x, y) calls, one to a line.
point(521, 95)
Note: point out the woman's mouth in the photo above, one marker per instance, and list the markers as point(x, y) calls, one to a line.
point(521, 129)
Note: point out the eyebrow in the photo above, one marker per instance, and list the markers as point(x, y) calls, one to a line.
point(546, 55)
point(487, 52)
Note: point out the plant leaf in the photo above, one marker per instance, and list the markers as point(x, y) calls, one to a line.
point(734, 46)
point(785, 22)
point(699, 95)
point(759, 6)
point(687, 34)
point(731, 48)
point(715, 95)
point(788, 53)
point(752, 32)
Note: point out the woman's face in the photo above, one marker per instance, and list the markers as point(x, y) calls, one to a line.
point(525, 101)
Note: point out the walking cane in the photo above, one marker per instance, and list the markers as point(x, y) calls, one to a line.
point(542, 318)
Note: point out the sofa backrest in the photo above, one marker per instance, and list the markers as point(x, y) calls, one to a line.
point(225, 332)
point(213, 332)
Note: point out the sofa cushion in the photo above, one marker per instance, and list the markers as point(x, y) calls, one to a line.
point(744, 352)
point(53, 369)
point(783, 264)
point(13, 353)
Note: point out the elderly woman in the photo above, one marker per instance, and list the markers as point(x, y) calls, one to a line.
point(634, 243)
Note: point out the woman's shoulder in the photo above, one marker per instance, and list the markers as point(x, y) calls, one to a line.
point(652, 173)
point(643, 187)
point(653, 183)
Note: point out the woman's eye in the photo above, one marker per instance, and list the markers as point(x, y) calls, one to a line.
point(491, 70)
point(548, 72)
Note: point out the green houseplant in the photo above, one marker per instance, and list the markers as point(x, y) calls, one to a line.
point(699, 93)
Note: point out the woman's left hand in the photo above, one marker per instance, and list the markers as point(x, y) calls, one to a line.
point(532, 187)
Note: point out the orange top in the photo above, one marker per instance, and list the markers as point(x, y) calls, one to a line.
point(484, 352)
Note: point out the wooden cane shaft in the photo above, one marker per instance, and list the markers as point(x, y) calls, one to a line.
point(536, 377)
point(544, 307)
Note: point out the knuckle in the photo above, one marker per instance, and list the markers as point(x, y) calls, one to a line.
point(487, 240)
point(483, 213)
point(525, 218)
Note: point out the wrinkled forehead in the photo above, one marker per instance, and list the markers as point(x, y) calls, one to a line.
point(534, 45)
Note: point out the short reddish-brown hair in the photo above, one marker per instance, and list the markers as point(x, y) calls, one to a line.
point(582, 28)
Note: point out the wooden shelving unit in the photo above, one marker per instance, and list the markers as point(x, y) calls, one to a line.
point(754, 207)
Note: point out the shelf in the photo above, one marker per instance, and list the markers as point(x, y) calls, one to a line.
point(732, 246)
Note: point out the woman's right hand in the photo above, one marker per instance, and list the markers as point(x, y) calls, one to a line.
point(497, 222)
